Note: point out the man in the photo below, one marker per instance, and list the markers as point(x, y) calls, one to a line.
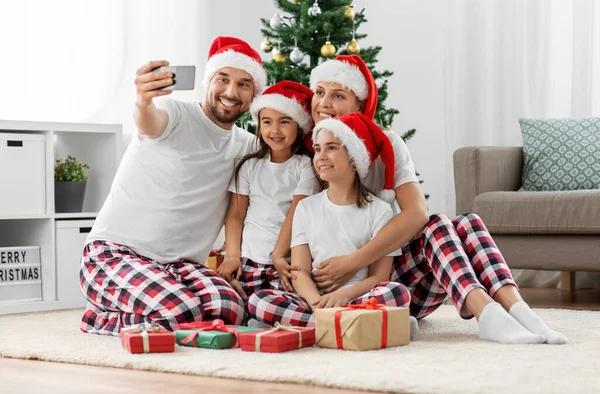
point(143, 258)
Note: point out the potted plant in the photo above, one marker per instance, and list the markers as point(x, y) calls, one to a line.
point(70, 178)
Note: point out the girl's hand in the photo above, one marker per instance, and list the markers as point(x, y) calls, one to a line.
point(330, 274)
point(284, 270)
point(331, 300)
point(230, 268)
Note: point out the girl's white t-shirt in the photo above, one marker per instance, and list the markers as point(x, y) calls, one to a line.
point(270, 188)
point(336, 230)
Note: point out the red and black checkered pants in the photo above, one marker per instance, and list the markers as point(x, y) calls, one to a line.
point(123, 288)
point(257, 276)
point(272, 306)
point(450, 258)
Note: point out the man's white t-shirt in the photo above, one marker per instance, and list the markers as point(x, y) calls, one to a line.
point(270, 188)
point(404, 170)
point(336, 230)
point(169, 197)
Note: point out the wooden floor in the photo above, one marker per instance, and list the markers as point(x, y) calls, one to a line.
point(26, 376)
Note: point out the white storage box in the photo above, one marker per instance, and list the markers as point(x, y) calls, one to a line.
point(20, 274)
point(70, 240)
point(22, 173)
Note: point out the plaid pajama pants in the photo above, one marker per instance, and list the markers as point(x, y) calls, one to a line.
point(450, 258)
point(271, 306)
point(257, 276)
point(123, 288)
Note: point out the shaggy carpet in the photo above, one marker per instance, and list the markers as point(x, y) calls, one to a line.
point(447, 357)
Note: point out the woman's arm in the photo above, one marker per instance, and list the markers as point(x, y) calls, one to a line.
point(282, 248)
point(303, 283)
point(379, 272)
point(234, 225)
point(399, 230)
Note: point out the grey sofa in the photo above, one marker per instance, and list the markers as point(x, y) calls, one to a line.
point(557, 231)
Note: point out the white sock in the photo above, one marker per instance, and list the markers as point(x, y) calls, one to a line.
point(414, 327)
point(531, 321)
point(496, 325)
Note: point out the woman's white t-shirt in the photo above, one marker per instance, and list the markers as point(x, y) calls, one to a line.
point(404, 169)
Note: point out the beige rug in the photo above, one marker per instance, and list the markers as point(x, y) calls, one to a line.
point(448, 357)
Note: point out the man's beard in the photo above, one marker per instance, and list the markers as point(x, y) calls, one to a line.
point(232, 118)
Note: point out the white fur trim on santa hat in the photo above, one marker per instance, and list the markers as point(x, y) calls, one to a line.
point(284, 104)
point(357, 151)
point(343, 73)
point(236, 60)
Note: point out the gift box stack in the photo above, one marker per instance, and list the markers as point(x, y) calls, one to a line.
point(365, 326)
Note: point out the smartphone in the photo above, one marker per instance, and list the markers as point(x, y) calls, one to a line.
point(183, 77)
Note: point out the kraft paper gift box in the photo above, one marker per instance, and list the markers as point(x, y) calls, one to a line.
point(366, 326)
point(210, 335)
point(147, 338)
point(278, 339)
point(213, 262)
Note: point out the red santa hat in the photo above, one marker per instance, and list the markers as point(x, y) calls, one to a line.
point(289, 97)
point(365, 142)
point(233, 52)
point(351, 72)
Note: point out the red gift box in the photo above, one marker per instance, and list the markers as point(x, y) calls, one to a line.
point(278, 339)
point(147, 338)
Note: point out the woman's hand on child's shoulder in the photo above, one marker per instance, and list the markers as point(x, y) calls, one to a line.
point(284, 271)
point(330, 300)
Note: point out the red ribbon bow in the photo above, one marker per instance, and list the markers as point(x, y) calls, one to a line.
point(370, 304)
point(198, 327)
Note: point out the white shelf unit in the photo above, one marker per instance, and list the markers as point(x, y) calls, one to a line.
point(101, 147)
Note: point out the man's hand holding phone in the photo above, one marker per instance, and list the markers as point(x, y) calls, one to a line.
point(147, 82)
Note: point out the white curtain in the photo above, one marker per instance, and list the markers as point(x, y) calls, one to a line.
point(508, 59)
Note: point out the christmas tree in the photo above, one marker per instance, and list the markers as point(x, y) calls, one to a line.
point(308, 32)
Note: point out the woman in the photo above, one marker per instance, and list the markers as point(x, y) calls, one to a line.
point(440, 257)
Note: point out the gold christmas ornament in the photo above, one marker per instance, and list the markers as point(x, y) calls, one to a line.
point(295, 1)
point(349, 12)
point(388, 127)
point(328, 50)
point(353, 48)
point(279, 57)
point(266, 45)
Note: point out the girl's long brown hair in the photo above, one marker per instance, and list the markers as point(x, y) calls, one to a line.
point(363, 197)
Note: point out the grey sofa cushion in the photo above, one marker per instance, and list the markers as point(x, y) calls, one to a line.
point(565, 212)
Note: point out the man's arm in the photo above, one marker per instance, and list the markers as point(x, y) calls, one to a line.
point(151, 121)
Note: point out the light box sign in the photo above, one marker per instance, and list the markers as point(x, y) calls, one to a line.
point(20, 264)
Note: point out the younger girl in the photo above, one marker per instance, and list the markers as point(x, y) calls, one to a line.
point(266, 187)
point(337, 221)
